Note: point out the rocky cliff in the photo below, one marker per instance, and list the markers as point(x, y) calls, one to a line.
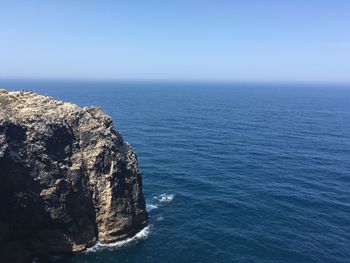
point(67, 178)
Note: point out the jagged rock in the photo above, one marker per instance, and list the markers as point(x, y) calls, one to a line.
point(67, 178)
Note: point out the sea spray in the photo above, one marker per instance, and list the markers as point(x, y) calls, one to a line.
point(143, 234)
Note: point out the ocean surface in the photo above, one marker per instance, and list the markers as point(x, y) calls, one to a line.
point(231, 172)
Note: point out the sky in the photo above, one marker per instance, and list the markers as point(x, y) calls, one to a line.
point(237, 40)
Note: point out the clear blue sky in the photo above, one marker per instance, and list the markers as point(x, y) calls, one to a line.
point(297, 40)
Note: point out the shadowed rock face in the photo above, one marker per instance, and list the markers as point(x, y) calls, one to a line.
point(67, 178)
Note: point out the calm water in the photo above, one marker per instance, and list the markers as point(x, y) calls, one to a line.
point(259, 173)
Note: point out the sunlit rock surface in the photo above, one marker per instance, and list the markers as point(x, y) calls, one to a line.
point(67, 178)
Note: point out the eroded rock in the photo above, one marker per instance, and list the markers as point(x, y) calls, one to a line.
point(67, 178)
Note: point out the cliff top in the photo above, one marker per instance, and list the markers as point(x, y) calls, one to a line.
point(27, 106)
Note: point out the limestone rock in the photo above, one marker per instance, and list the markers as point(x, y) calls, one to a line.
point(67, 178)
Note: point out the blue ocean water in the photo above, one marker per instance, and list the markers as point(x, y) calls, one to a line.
point(231, 172)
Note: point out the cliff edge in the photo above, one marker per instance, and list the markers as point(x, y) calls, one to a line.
point(67, 178)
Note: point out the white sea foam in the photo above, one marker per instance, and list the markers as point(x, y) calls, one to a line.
point(143, 234)
point(166, 198)
point(160, 218)
point(150, 207)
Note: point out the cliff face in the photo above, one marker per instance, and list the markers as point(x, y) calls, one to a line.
point(67, 178)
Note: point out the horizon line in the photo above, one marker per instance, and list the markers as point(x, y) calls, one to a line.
point(228, 81)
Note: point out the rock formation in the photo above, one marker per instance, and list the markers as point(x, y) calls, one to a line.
point(67, 178)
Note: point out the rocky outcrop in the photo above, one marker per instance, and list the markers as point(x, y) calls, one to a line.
point(67, 178)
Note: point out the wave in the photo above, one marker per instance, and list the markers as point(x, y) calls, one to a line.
point(166, 198)
point(143, 234)
point(160, 218)
point(150, 207)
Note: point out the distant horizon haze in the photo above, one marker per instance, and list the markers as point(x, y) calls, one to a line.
point(8, 82)
point(229, 41)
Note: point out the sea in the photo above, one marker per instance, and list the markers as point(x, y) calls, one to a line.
point(232, 172)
